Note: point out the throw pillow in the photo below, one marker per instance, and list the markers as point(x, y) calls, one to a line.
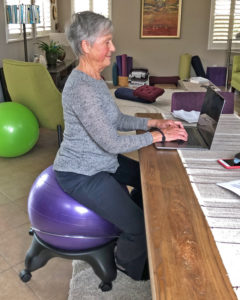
point(149, 93)
point(127, 94)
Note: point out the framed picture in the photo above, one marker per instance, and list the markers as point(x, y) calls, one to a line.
point(161, 18)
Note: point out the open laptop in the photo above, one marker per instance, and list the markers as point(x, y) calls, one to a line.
point(200, 136)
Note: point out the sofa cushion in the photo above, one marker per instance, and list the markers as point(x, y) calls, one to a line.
point(127, 94)
point(149, 93)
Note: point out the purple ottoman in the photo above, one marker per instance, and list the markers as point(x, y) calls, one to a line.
point(217, 75)
point(193, 101)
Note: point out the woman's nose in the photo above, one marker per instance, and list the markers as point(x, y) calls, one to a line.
point(112, 47)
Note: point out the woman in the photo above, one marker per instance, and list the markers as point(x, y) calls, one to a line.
point(88, 166)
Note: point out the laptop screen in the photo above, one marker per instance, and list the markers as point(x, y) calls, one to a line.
point(210, 113)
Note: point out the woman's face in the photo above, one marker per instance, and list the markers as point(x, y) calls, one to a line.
point(101, 51)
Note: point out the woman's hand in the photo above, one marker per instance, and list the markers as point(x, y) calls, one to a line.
point(161, 124)
point(171, 134)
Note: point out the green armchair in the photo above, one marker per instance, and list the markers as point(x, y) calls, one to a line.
point(235, 81)
point(31, 85)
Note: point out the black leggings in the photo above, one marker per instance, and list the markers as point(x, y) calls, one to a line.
point(103, 193)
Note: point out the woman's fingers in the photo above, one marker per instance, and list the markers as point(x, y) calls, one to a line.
point(178, 124)
point(175, 133)
point(171, 134)
point(161, 124)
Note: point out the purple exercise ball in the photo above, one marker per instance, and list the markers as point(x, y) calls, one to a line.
point(61, 221)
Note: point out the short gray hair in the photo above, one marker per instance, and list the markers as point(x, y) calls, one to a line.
point(87, 25)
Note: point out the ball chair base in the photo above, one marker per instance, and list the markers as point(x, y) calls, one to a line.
point(100, 258)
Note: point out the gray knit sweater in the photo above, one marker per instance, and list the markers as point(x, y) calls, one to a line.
point(91, 140)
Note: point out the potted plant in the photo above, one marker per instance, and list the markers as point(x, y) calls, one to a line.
point(53, 51)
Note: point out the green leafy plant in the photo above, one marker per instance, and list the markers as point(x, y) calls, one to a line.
point(53, 51)
point(52, 47)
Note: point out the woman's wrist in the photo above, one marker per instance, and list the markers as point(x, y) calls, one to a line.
point(163, 135)
point(158, 136)
point(151, 123)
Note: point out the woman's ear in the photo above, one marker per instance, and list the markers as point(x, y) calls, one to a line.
point(85, 46)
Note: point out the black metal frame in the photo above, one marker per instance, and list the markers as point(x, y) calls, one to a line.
point(100, 258)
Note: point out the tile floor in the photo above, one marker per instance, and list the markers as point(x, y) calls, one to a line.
point(16, 177)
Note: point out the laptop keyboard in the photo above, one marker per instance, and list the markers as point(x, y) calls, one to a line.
point(193, 135)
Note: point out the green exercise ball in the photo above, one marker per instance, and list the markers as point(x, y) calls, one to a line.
point(19, 129)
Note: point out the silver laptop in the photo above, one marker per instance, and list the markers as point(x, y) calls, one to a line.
point(200, 136)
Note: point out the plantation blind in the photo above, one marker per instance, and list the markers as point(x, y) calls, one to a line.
point(102, 7)
point(44, 27)
point(224, 23)
point(14, 31)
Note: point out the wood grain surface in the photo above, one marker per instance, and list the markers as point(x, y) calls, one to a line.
point(183, 258)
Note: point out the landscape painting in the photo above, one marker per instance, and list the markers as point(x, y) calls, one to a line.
point(161, 18)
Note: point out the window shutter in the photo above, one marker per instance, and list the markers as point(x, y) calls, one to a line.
point(44, 27)
point(14, 31)
point(98, 6)
point(236, 23)
point(101, 7)
point(81, 5)
point(224, 23)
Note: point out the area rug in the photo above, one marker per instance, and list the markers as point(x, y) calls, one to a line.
point(84, 286)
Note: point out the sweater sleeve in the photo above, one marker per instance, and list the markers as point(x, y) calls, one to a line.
point(91, 114)
point(127, 123)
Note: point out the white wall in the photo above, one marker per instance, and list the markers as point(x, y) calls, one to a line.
point(160, 56)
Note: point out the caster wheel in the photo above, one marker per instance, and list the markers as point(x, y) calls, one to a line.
point(30, 232)
point(105, 287)
point(25, 275)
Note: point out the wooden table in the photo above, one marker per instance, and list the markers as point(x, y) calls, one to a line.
point(183, 259)
point(61, 70)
